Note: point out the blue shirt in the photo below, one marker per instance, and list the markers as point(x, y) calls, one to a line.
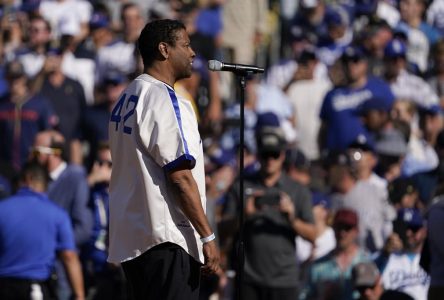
point(32, 230)
point(340, 111)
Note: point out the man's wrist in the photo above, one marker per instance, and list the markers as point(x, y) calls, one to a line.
point(208, 239)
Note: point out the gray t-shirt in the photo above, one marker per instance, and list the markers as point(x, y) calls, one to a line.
point(269, 238)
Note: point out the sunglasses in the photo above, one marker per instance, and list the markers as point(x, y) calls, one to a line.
point(363, 288)
point(414, 229)
point(270, 154)
point(103, 162)
point(44, 150)
point(344, 227)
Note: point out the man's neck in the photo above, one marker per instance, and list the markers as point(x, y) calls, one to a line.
point(161, 75)
point(359, 82)
point(271, 179)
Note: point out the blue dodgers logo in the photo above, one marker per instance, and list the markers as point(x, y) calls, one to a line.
point(342, 102)
point(403, 278)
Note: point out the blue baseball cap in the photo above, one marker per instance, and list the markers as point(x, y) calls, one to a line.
point(353, 53)
point(267, 119)
point(99, 20)
point(411, 217)
point(395, 48)
point(336, 16)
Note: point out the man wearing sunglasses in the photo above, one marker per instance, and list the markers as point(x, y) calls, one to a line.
point(277, 210)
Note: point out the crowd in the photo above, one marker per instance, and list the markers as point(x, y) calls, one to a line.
point(344, 140)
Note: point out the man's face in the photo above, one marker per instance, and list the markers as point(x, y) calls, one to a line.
point(182, 55)
point(39, 33)
point(345, 235)
point(271, 161)
point(357, 69)
point(132, 20)
point(415, 237)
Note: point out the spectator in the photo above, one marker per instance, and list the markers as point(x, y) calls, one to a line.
point(331, 276)
point(277, 210)
point(404, 85)
point(391, 148)
point(60, 11)
point(403, 193)
point(339, 35)
point(374, 37)
point(325, 240)
point(119, 56)
point(360, 196)
point(297, 166)
point(33, 56)
point(305, 92)
point(96, 118)
point(401, 270)
point(105, 280)
point(22, 116)
point(420, 35)
point(33, 231)
point(68, 100)
point(340, 124)
point(244, 26)
point(367, 281)
point(68, 188)
point(436, 80)
point(435, 220)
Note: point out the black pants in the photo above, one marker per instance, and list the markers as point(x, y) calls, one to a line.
point(165, 272)
point(255, 292)
point(20, 289)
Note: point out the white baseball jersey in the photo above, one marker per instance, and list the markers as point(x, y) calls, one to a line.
point(403, 273)
point(151, 130)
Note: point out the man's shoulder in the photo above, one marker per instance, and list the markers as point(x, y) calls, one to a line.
point(74, 172)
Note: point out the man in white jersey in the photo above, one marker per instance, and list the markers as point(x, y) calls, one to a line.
point(158, 228)
point(401, 270)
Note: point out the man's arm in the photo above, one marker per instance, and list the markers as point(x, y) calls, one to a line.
point(74, 272)
point(188, 196)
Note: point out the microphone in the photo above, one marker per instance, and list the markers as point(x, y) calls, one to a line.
point(215, 65)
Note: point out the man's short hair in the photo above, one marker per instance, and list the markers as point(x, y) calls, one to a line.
point(154, 33)
point(35, 172)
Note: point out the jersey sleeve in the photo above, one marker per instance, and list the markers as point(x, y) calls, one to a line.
point(168, 130)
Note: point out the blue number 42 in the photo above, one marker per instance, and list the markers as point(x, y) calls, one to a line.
point(117, 110)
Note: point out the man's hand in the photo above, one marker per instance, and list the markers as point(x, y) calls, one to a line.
point(211, 255)
point(393, 244)
point(287, 206)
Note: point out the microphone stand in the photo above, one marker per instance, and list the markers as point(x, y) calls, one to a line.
point(241, 76)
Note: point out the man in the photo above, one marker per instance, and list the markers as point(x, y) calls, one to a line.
point(118, 56)
point(277, 209)
point(401, 270)
point(68, 188)
point(67, 97)
point(22, 116)
point(330, 277)
point(32, 231)
point(367, 281)
point(157, 188)
point(361, 197)
point(341, 124)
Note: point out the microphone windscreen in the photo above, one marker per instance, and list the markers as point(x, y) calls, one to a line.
point(214, 65)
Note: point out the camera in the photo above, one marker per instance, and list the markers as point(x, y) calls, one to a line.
point(271, 197)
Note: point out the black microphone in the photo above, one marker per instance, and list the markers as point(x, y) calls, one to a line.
point(215, 65)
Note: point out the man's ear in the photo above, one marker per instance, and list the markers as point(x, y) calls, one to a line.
point(164, 50)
